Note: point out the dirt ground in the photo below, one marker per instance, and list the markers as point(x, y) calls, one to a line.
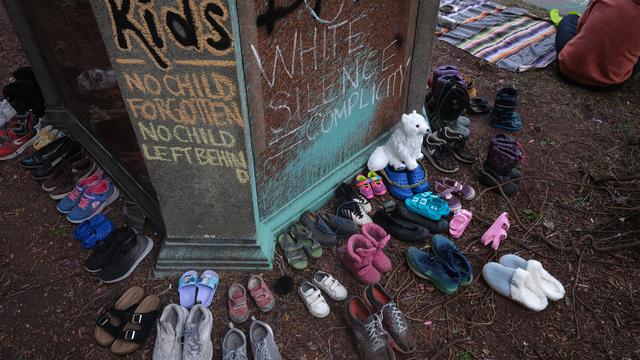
point(578, 213)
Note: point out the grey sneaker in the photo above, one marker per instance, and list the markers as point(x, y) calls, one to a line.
point(169, 327)
point(126, 259)
point(263, 344)
point(197, 334)
point(234, 345)
point(371, 338)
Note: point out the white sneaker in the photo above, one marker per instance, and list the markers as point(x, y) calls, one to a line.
point(354, 211)
point(169, 328)
point(313, 300)
point(197, 334)
point(332, 287)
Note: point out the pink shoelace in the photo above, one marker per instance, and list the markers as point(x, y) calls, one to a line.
point(84, 202)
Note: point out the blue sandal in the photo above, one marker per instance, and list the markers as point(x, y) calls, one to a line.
point(428, 205)
point(207, 285)
point(93, 231)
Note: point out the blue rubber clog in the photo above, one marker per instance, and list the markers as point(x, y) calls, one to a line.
point(398, 178)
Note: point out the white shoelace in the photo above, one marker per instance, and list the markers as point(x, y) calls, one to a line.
point(263, 350)
point(374, 332)
point(398, 320)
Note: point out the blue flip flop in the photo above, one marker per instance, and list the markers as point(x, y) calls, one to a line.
point(396, 178)
point(187, 288)
point(207, 284)
point(418, 176)
point(428, 205)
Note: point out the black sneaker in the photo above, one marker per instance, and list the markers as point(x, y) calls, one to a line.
point(126, 259)
point(38, 157)
point(401, 229)
point(104, 252)
point(439, 154)
point(353, 211)
point(457, 142)
point(434, 226)
point(346, 192)
point(71, 151)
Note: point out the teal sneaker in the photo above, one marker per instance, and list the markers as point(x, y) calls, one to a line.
point(434, 269)
point(446, 250)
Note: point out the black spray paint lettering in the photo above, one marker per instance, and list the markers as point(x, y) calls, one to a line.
point(183, 25)
point(275, 13)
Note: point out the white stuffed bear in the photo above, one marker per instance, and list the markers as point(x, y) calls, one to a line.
point(403, 149)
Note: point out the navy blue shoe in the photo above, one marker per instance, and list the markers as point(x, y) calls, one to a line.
point(434, 269)
point(504, 116)
point(446, 250)
point(398, 179)
point(418, 176)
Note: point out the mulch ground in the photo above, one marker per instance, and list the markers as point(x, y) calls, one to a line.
point(578, 213)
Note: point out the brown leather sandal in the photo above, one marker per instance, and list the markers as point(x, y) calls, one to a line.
point(138, 327)
point(109, 323)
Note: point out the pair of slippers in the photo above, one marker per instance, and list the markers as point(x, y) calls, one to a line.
point(194, 289)
point(93, 231)
point(523, 281)
point(128, 321)
point(428, 205)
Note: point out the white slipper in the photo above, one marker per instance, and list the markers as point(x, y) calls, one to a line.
point(515, 284)
point(549, 285)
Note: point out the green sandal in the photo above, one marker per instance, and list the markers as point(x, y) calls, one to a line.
point(292, 251)
point(311, 246)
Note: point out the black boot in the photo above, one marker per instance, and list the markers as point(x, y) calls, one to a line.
point(457, 142)
point(500, 167)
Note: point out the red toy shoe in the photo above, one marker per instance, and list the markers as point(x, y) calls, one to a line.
point(364, 186)
point(376, 183)
point(16, 144)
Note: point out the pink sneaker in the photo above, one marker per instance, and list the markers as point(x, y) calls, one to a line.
point(364, 186)
point(497, 232)
point(379, 239)
point(260, 293)
point(376, 183)
point(237, 302)
point(358, 258)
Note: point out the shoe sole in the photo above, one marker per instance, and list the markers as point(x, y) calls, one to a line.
point(391, 341)
point(439, 168)
point(420, 275)
point(48, 189)
point(505, 128)
point(38, 178)
point(21, 149)
point(146, 252)
point(109, 201)
point(92, 271)
point(60, 197)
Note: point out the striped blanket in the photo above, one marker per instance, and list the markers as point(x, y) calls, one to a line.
point(507, 37)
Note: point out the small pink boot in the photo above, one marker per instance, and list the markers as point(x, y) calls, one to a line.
point(379, 239)
point(358, 258)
